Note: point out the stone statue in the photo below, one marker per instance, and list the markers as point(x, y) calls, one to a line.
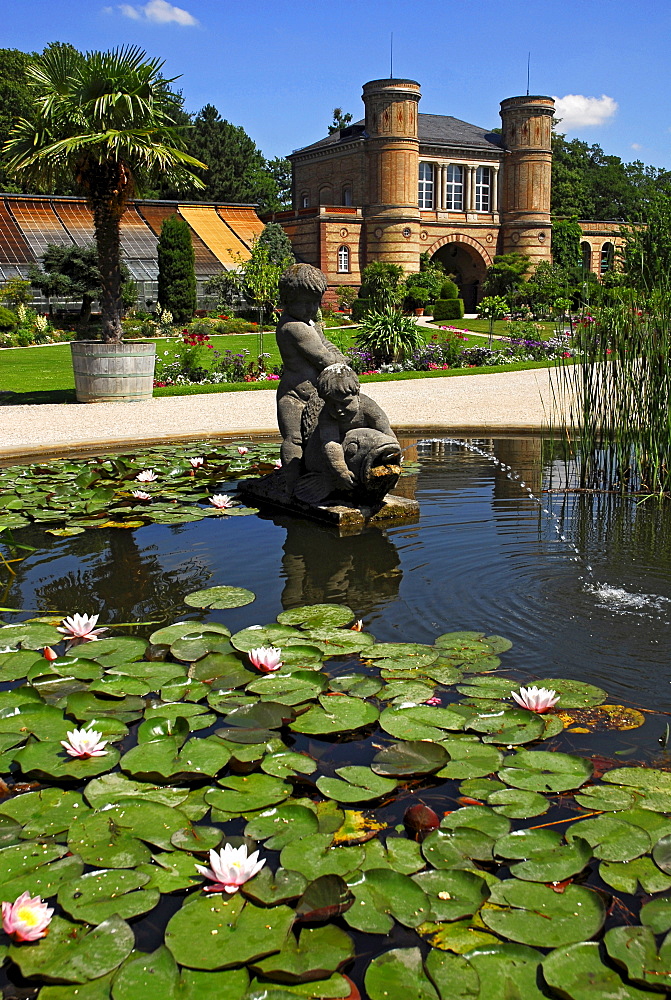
point(348, 445)
point(305, 351)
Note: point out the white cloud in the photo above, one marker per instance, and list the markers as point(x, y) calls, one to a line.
point(158, 12)
point(577, 111)
point(636, 145)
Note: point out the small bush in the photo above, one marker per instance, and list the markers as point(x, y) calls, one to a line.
point(448, 290)
point(359, 309)
point(448, 309)
point(417, 298)
point(8, 319)
point(389, 335)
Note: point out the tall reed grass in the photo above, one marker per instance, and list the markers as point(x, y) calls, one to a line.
point(617, 398)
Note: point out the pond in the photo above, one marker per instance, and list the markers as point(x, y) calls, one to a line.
point(579, 584)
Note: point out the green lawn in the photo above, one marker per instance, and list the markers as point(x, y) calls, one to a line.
point(500, 328)
point(44, 374)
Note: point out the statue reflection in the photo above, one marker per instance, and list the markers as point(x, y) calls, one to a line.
point(321, 566)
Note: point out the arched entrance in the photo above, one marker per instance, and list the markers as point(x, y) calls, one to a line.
point(467, 262)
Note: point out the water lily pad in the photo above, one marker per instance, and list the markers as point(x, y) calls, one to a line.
point(101, 842)
point(28, 635)
point(44, 813)
point(317, 616)
point(210, 932)
point(73, 953)
point(282, 824)
point(575, 694)
point(170, 871)
point(634, 949)
point(625, 876)
point(270, 889)
point(527, 843)
point(267, 635)
point(397, 854)
point(148, 977)
point(536, 915)
point(289, 689)
point(611, 838)
point(399, 973)
point(50, 760)
point(97, 989)
point(356, 685)
point(98, 895)
point(518, 803)
point(44, 721)
point(171, 633)
point(111, 652)
point(247, 794)
point(657, 915)
point(541, 771)
point(254, 723)
point(609, 798)
point(469, 760)
point(317, 952)
point(420, 722)
point(452, 894)
point(578, 973)
point(652, 785)
point(357, 828)
point(111, 787)
point(335, 715)
point(457, 848)
point(163, 759)
point(220, 597)
point(325, 897)
point(409, 758)
point(15, 665)
point(453, 975)
point(555, 865)
point(355, 784)
point(382, 896)
point(508, 726)
point(315, 855)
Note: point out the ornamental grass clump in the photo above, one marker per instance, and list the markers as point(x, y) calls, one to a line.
point(389, 335)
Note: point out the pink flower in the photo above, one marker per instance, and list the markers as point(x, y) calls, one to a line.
point(242, 450)
point(221, 501)
point(536, 699)
point(85, 743)
point(80, 628)
point(278, 464)
point(146, 476)
point(26, 919)
point(196, 463)
point(141, 495)
point(435, 700)
point(49, 654)
point(266, 658)
point(230, 868)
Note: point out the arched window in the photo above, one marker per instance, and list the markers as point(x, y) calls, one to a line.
point(347, 194)
point(305, 200)
point(586, 251)
point(326, 196)
point(343, 260)
point(425, 196)
point(483, 188)
point(455, 188)
point(607, 257)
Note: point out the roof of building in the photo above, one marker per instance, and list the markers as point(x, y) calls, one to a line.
point(222, 235)
point(434, 130)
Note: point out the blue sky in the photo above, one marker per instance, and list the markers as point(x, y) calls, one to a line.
point(279, 67)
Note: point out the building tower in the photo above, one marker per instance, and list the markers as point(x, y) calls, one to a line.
point(392, 154)
point(527, 176)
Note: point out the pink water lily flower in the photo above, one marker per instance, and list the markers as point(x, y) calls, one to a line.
point(146, 476)
point(196, 463)
point(278, 464)
point(536, 699)
point(85, 743)
point(230, 868)
point(221, 501)
point(26, 919)
point(141, 495)
point(266, 658)
point(242, 450)
point(80, 628)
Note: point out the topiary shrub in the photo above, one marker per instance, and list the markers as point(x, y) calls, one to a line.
point(8, 319)
point(448, 290)
point(359, 309)
point(176, 274)
point(448, 309)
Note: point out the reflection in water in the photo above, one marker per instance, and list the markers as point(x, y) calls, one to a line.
point(321, 567)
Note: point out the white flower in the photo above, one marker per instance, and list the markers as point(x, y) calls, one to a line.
point(266, 658)
point(242, 450)
point(80, 628)
point(221, 501)
point(146, 476)
point(85, 743)
point(141, 495)
point(230, 868)
point(196, 463)
point(536, 699)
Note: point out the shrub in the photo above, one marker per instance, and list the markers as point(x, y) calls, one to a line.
point(346, 296)
point(382, 282)
point(448, 290)
point(176, 274)
point(359, 309)
point(8, 319)
point(448, 309)
point(417, 297)
point(389, 335)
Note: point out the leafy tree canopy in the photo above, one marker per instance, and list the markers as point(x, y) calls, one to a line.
point(340, 120)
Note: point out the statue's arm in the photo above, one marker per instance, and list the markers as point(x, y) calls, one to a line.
point(329, 433)
point(313, 348)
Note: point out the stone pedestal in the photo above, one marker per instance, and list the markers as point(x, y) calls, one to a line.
point(349, 518)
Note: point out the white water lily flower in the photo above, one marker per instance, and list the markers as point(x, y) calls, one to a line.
point(85, 743)
point(141, 495)
point(536, 699)
point(80, 628)
point(230, 868)
point(146, 476)
point(221, 501)
point(266, 658)
point(196, 462)
point(242, 450)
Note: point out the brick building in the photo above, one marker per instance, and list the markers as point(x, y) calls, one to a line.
point(400, 183)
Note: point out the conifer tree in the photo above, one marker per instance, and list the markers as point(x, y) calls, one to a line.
point(176, 273)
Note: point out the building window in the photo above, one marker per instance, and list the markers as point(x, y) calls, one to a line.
point(455, 188)
point(343, 260)
point(483, 188)
point(586, 254)
point(426, 185)
point(347, 194)
point(607, 257)
point(326, 196)
point(305, 200)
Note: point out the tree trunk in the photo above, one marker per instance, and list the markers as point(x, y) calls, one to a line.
point(110, 186)
point(85, 311)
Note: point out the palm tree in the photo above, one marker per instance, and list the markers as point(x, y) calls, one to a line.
point(108, 121)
